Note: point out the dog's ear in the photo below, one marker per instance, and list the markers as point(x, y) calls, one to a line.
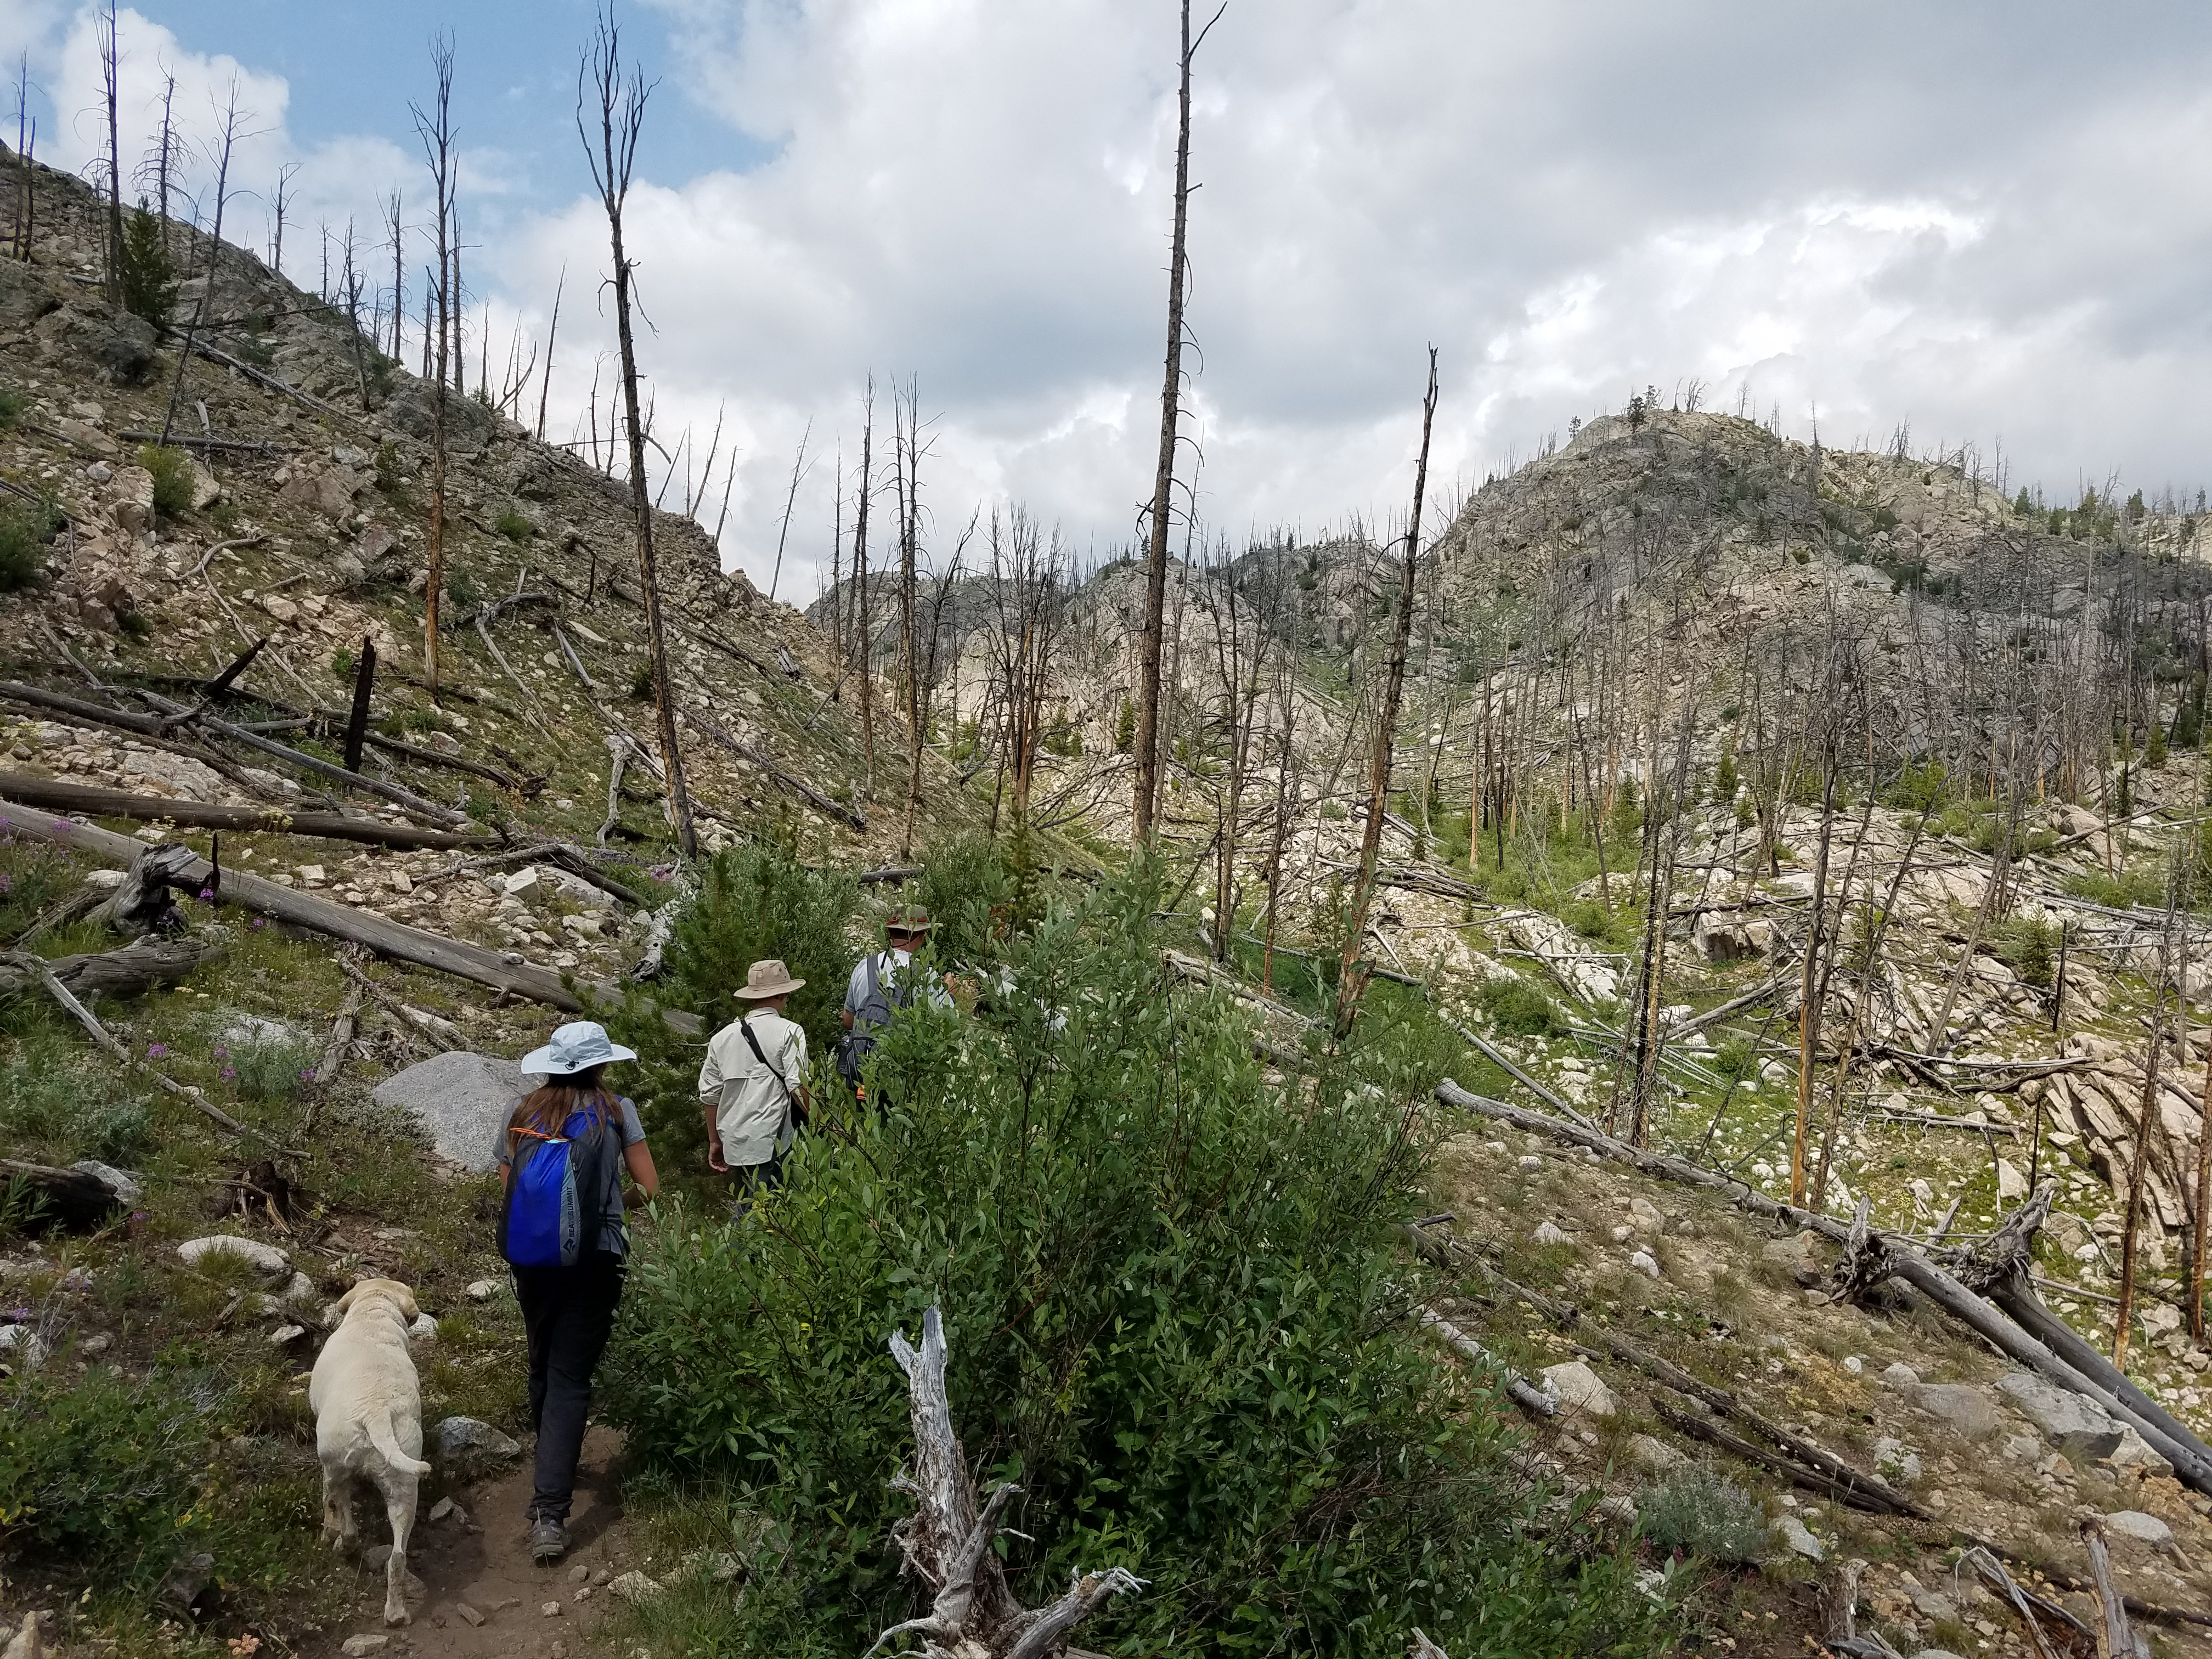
point(343, 1305)
point(406, 1301)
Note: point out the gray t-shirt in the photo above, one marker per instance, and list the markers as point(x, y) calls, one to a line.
point(614, 1237)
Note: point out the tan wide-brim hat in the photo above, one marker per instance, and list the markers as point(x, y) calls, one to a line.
point(766, 979)
point(911, 920)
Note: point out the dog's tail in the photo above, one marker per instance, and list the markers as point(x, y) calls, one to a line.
point(386, 1442)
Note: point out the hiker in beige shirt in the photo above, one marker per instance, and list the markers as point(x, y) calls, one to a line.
point(752, 1087)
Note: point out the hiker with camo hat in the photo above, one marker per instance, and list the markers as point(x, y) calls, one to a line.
point(753, 1087)
point(883, 981)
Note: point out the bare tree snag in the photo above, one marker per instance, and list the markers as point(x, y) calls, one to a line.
point(111, 64)
point(946, 1543)
point(612, 154)
point(364, 683)
point(552, 332)
point(1146, 804)
point(1352, 980)
point(230, 136)
point(131, 971)
point(434, 127)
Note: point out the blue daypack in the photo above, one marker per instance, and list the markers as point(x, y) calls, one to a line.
point(556, 1189)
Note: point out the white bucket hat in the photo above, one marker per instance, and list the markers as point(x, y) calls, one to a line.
point(576, 1047)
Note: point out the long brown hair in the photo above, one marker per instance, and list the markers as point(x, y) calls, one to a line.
point(545, 1108)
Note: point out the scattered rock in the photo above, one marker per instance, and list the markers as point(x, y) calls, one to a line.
point(125, 348)
point(1898, 1375)
point(549, 1609)
point(1800, 1257)
point(171, 774)
point(29, 1641)
point(1653, 1455)
point(1800, 1539)
point(1935, 1653)
point(2134, 1452)
point(635, 1587)
point(425, 1329)
point(483, 1290)
point(1643, 1215)
point(22, 1346)
point(2080, 1428)
point(1964, 1406)
point(2144, 1528)
point(1892, 1456)
point(460, 1439)
point(442, 1508)
point(125, 1187)
point(1929, 1604)
point(1529, 1161)
point(354, 1647)
point(1580, 1388)
point(1548, 1233)
point(2012, 1185)
point(465, 1611)
point(284, 1335)
point(1644, 1262)
point(266, 1260)
point(462, 1099)
point(188, 1580)
point(579, 1574)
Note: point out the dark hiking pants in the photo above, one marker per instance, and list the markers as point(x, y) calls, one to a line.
point(568, 1312)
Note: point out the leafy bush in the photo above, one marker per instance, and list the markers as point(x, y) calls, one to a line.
point(172, 479)
point(1517, 1007)
point(1698, 1511)
point(1923, 789)
point(12, 405)
point(148, 276)
point(1175, 1318)
point(26, 527)
point(99, 1468)
point(1732, 1056)
point(641, 683)
point(272, 1069)
point(968, 892)
point(514, 526)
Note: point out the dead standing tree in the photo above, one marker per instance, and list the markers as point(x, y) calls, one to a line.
point(435, 129)
point(612, 154)
point(1352, 980)
point(1150, 642)
point(226, 141)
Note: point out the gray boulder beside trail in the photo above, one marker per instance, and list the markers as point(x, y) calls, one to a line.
point(462, 1099)
point(2080, 1427)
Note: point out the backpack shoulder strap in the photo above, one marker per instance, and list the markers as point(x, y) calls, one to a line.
point(760, 1054)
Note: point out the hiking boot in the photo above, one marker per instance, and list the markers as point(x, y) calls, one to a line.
point(548, 1541)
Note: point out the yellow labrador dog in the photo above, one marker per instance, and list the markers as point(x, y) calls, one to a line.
point(368, 1421)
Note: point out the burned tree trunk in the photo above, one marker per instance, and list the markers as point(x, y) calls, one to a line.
point(621, 119)
point(946, 1542)
point(1353, 980)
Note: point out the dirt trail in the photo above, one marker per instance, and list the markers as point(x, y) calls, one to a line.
point(484, 1567)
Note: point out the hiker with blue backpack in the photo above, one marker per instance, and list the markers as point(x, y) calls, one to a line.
point(562, 1158)
point(882, 982)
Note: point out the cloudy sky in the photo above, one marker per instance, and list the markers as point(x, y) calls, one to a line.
point(1992, 221)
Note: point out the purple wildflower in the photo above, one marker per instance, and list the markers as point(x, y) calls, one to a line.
point(155, 1050)
point(307, 1074)
point(230, 1070)
point(261, 921)
point(207, 893)
point(220, 1052)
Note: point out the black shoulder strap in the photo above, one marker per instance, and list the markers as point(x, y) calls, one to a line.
point(753, 1043)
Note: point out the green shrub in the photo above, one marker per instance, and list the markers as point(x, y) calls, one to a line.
point(514, 526)
point(641, 683)
point(58, 1106)
point(272, 1069)
point(147, 275)
point(1517, 1007)
point(1733, 1056)
point(2029, 947)
point(969, 892)
point(1125, 728)
point(26, 528)
point(1698, 1511)
point(1923, 789)
point(172, 479)
point(98, 1469)
point(1174, 1316)
point(13, 403)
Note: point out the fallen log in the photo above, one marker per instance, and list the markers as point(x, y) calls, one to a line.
point(99, 803)
point(131, 971)
point(322, 915)
point(1523, 1392)
point(2191, 1459)
point(74, 1197)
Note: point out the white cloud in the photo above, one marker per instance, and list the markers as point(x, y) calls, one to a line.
point(1949, 215)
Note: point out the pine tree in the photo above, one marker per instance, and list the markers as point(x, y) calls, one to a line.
point(149, 275)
